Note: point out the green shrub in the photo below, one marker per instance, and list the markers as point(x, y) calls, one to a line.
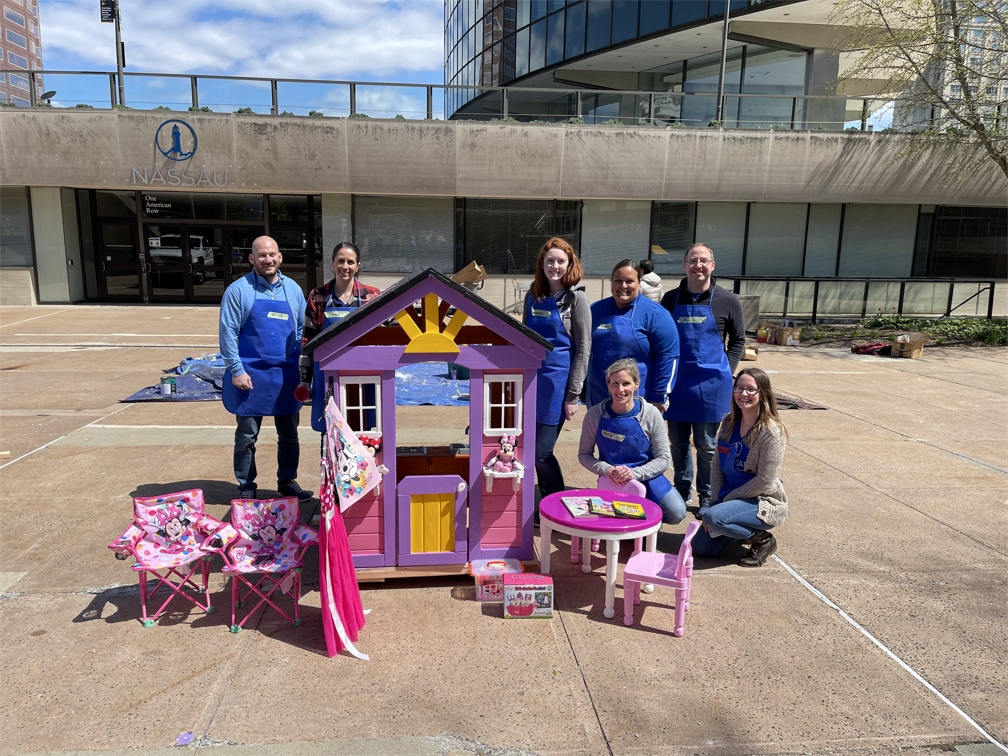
point(244, 110)
point(204, 109)
point(577, 120)
point(612, 122)
point(84, 105)
point(976, 330)
point(505, 119)
point(399, 117)
point(352, 115)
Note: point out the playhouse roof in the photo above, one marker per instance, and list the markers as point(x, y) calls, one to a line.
point(470, 303)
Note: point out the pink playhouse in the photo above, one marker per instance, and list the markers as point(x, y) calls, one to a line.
point(438, 507)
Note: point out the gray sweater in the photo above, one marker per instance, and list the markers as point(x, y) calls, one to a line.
point(766, 452)
point(650, 420)
point(575, 314)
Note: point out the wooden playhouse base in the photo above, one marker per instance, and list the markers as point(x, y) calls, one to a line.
point(381, 574)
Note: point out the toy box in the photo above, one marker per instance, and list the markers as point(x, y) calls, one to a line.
point(489, 576)
point(528, 595)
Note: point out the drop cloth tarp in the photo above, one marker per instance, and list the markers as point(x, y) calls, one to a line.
point(197, 379)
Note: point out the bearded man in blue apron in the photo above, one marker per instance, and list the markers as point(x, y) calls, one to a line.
point(261, 320)
point(705, 317)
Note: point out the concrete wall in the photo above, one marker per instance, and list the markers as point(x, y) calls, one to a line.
point(95, 149)
point(17, 287)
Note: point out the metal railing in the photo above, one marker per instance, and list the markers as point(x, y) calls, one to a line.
point(836, 298)
point(343, 98)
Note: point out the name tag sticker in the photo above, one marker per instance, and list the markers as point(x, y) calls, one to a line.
point(278, 315)
point(604, 327)
point(613, 436)
point(693, 319)
point(336, 313)
point(540, 313)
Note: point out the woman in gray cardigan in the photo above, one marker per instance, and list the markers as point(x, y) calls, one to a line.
point(750, 497)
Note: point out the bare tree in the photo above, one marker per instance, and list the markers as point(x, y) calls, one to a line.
point(945, 63)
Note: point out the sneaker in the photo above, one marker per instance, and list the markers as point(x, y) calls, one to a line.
point(291, 488)
point(705, 504)
point(248, 493)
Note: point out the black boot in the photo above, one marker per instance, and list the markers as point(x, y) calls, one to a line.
point(761, 545)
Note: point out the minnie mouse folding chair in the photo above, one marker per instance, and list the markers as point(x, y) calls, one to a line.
point(171, 534)
point(269, 547)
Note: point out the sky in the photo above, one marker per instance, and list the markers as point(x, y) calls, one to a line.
point(361, 40)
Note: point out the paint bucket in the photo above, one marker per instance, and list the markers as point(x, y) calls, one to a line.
point(168, 385)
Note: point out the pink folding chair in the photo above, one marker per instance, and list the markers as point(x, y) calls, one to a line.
point(269, 546)
point(171, 534)
point(671, 570)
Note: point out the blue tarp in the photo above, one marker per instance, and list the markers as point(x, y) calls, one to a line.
point(189, 388)
point(430, 383)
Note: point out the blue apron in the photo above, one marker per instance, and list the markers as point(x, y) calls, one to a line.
point(269, 350)
point(334, 311)
point(732, 456)
point(543, 317)
point(622, 441)
point(614, 339)
point(703, 389)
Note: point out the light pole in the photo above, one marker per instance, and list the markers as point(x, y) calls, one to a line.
point(721, 68)
point(121, 54)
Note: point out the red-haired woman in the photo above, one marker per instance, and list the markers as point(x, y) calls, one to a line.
point(557, 309)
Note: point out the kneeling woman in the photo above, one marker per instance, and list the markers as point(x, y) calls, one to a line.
point(631, 440)
point(750, 497)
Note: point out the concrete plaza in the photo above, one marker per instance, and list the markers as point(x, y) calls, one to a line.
point(897, 549)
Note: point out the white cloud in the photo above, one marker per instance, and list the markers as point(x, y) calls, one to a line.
point(333, 39)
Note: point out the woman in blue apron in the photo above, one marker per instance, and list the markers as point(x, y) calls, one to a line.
point(627, 325)
point(750, 498)
point(327, 304)
point(557, 309)
point(701, 394)
point(631, 440)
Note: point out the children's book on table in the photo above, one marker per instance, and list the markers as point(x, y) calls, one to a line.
point(629, 510)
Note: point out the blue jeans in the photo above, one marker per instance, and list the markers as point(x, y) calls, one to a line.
point(705, 441)
point(732, 520)
point(288, 449)
point(673, 507)
point(547, 467)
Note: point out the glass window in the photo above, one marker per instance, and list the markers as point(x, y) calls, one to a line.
point(15, 228)
point(686, 11)
point(654, 16)
point(537, 46)
point(361, 399)
point(522, 53)
point(538, 9)
point(878, 240)
point(554, 39)
point(405, 234)
point(16, 39)
point(524, 6)
point(624, 20)
point(14, 17)
point(702, 77)
point(243, 207)
point(671, 235)
point(20, 82)
point(288, 207)
point(823, 240)
point(17, 60)
point(613, 230)
point(599, 13)
point(555, 5)
point(115, 204)
point(721, 226)
point(21, 102)
point(970, 241)
point(776, 238)
point(575, 43)
point(502, 403)
point(504, 235)
point(508, 60)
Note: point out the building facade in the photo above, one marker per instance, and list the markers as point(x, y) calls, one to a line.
point(21, 48)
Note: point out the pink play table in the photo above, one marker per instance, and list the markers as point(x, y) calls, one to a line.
point(553, 515)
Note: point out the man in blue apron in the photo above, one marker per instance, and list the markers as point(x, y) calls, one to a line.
point(261, 320)
point(705, 317)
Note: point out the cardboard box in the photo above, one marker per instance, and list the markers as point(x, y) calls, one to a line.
point(789, 336)
point(910, 345)
point(750, 354)
point(489, 576)
point(528, 596)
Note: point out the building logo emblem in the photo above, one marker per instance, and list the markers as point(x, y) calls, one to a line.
point(176, 140)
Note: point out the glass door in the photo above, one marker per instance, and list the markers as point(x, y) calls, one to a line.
point(210, 270)
point(169, 269)
point(119, 263)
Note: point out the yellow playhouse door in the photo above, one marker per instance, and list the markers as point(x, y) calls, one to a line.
point(432, 520)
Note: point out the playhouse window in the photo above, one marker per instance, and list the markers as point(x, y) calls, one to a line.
point(502, 404)
point(360, 397)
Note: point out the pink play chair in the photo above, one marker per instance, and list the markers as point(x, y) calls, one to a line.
point(171, 534)
point(671, 570)
point(269, 544)
point(634, 487)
